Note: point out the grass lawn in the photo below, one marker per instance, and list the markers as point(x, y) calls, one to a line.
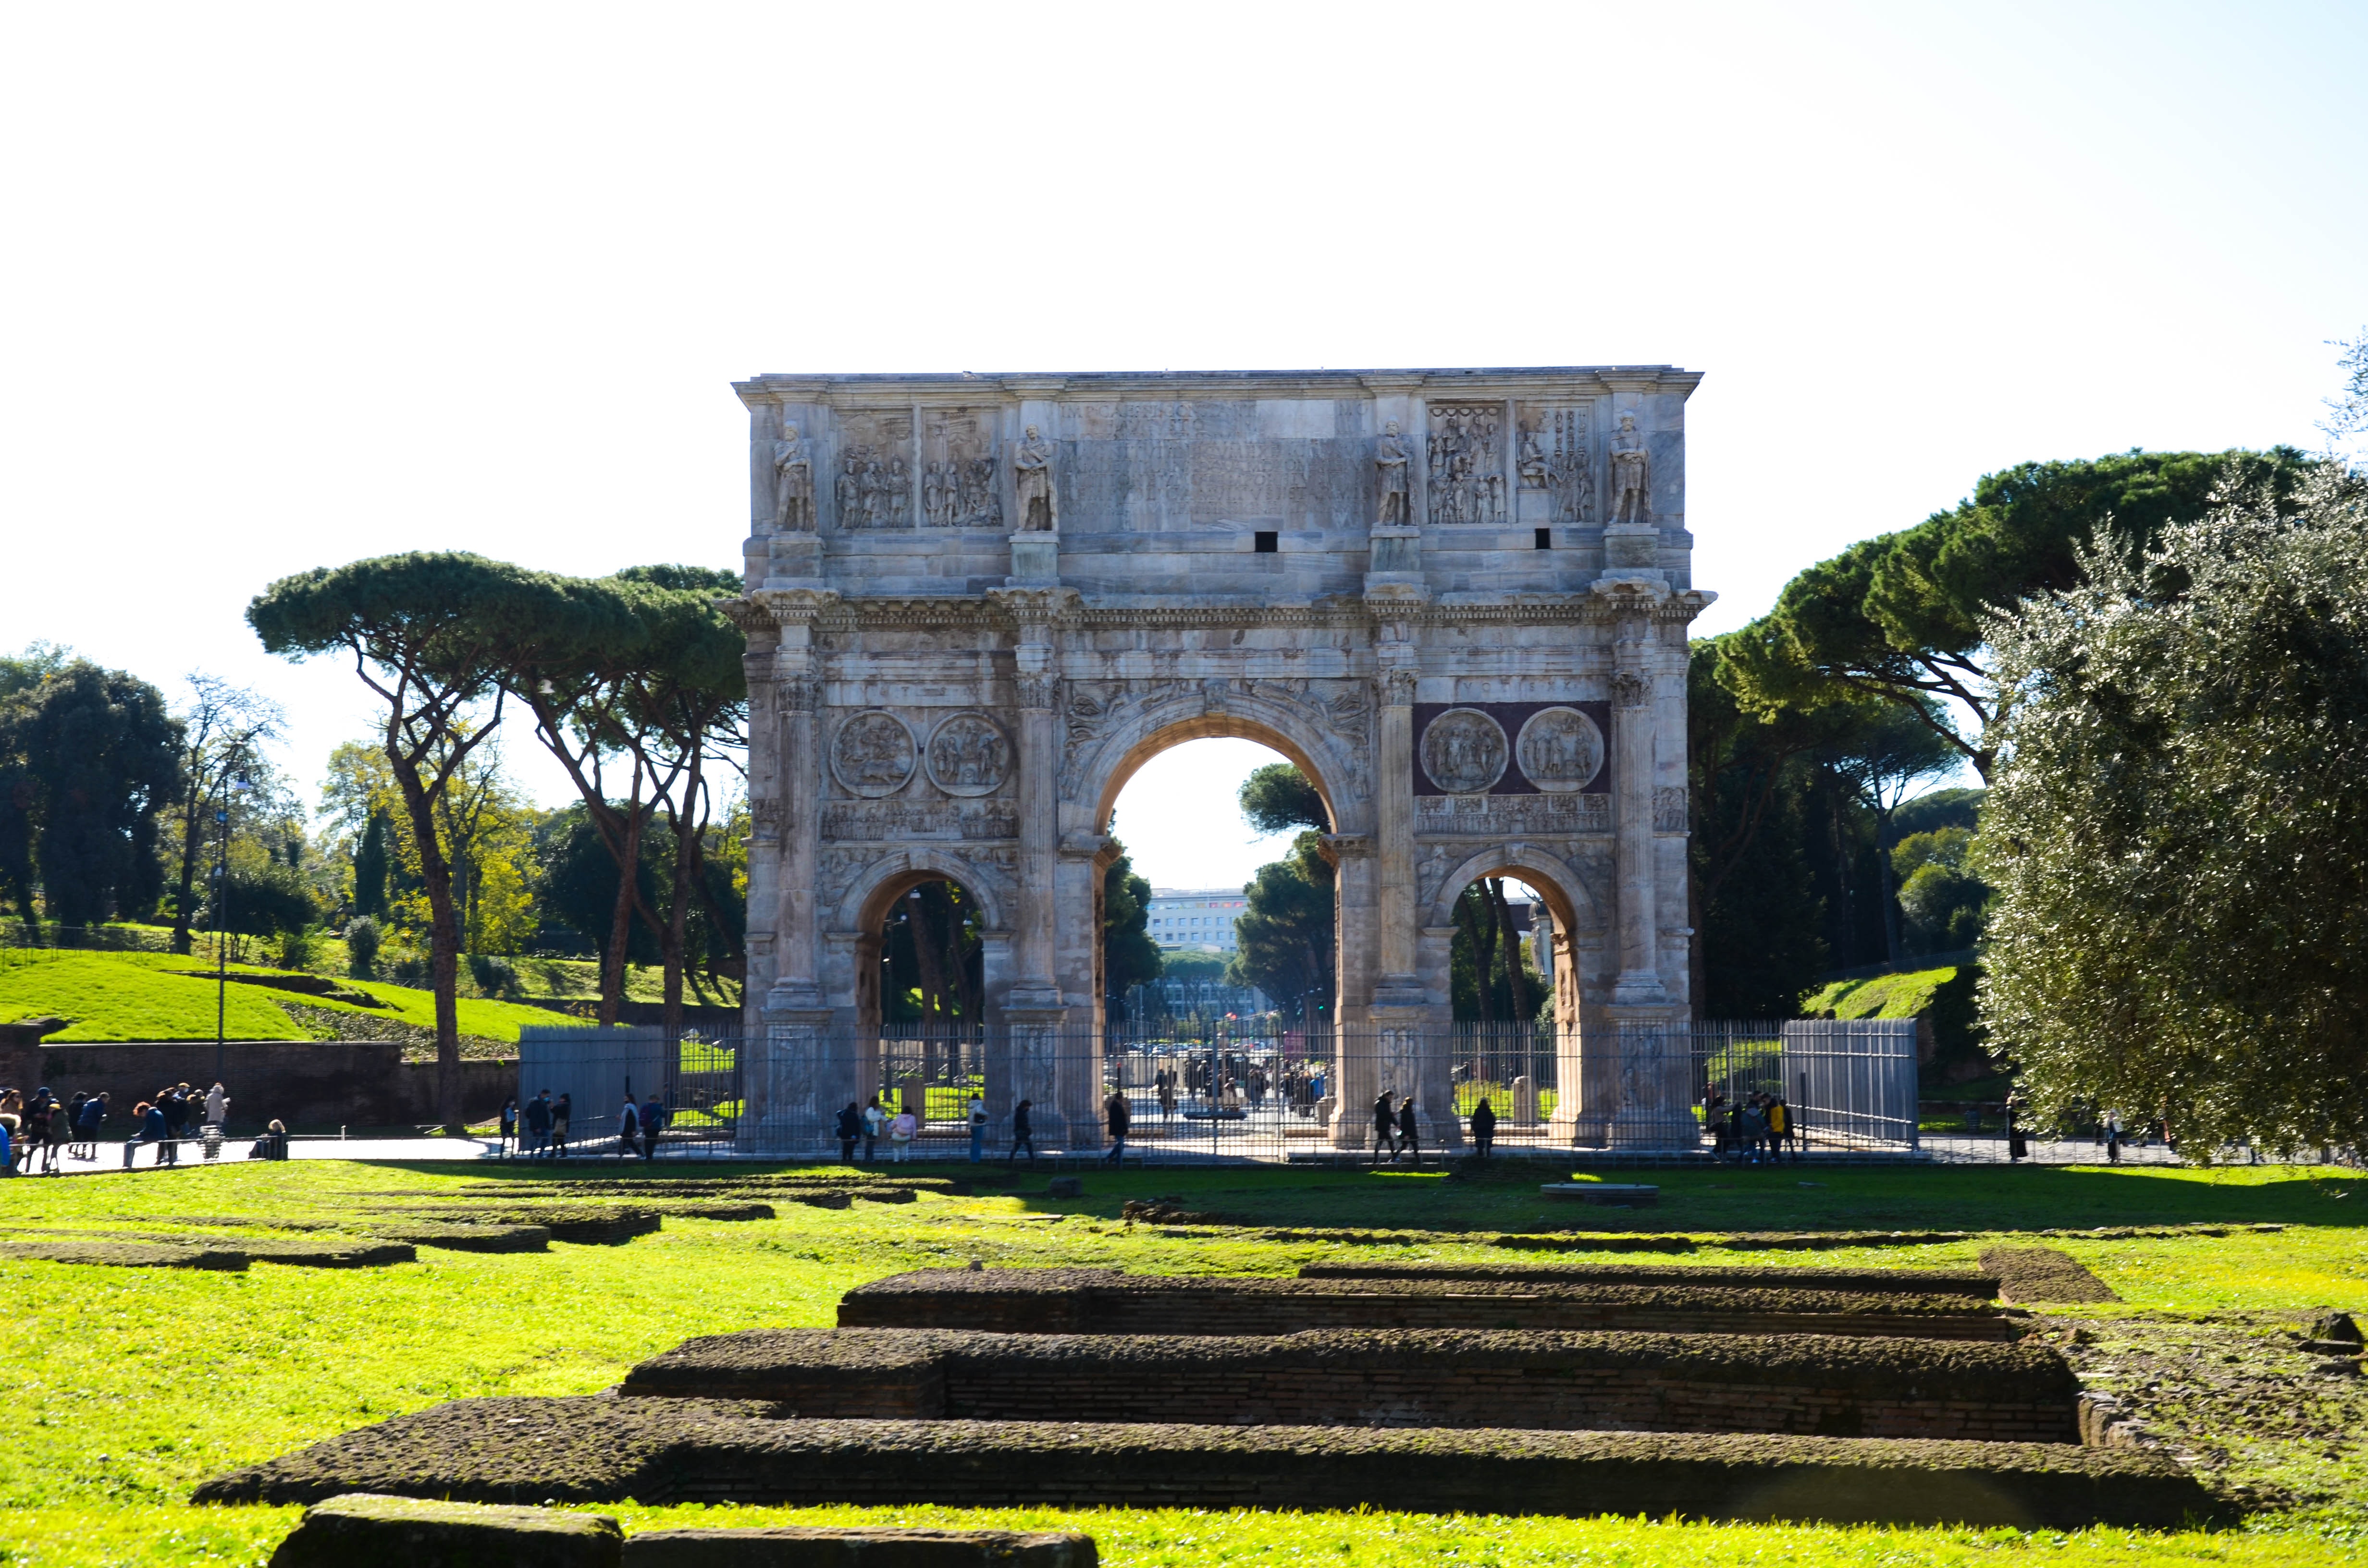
point(129, 1386)
point(109, 996)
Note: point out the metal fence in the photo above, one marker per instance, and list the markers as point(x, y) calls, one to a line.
point(1622, 1089)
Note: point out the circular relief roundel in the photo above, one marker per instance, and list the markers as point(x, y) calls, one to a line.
point(1463, 750)
point(872, 754)
point(968, 755)
point(1560, 750)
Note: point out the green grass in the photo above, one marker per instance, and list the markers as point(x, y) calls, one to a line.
point(113, 996)
point(127, 1387)
point(1884, 996)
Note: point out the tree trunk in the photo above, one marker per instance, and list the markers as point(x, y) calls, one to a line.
point(926, 918)
point(1893, 946)
point(1484, 953)
point(620, 918)
point(1517, 985)
point(443, 935)
point(190, 832)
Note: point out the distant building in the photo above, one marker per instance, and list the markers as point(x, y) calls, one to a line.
point(1196, 919)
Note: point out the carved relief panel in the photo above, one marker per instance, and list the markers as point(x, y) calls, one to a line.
point(873, 487)
point(1467, 470)
point(960, 487)
point(1561, 750)
point(1463, 750)
point(1554, 458)
point(968, 755)
point(872, 755)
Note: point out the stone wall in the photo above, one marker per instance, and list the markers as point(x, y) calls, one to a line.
point(312, 1085)
point(1802, 1385)
point(1083, 1300)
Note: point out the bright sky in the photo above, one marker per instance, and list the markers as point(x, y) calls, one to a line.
point(287, 285)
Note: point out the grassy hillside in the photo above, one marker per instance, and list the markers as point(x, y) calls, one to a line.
point(110, 996)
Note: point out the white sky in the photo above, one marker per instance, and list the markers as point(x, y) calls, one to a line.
point(287, 285)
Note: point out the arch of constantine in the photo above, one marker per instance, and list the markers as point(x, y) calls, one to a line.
point(1457, 599)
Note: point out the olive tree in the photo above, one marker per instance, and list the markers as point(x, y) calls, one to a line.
point(2179, 830)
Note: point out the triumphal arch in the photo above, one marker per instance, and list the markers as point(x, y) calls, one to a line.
point(976, 604)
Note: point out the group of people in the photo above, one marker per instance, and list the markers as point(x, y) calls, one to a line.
point(539, 1129)
point(38, 1132)
point(1756, 1128)
point(866, 1124)
point(1398, 1130)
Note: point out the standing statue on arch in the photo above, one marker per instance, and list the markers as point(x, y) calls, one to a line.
point(1632, 475)
point(792, 485)
point(1390, 464)
point(1031, 478)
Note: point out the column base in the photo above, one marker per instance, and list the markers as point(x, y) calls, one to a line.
point(1639, 988)
point(1035, 561)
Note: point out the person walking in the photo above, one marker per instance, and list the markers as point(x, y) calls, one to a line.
point(2113, 1137)
point(629, 1129)
point(654, 1122)
point(52, 1123)
point(1385, 1128)
point(1409, 1137)
point(977, 1115)
point(216, 1105)
point(507, 1129)
point(849, 1127)
point(1780, 1125)
point(902, 1130)
point(1021, 1132)
point(1166, 1094)
point(875, 1122)
point(562, 1111)
point(538, 1124)
point(1117, 1115)
point(90, 1121)
point(1484, 1127)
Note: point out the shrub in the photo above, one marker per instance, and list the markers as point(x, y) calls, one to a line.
point(494, 976)
point(298, 946)
point(409, 966)
point(362, 939)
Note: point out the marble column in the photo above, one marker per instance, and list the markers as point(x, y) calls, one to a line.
point(1393, 820)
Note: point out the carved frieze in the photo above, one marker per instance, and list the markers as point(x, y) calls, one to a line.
point(967, 755)
point(893, 822)
point(874, 486)
point(960, 488)
point(1561, 749)
point(1512, 816)
point(872, 755)
point(1467, 463)
point(1556, 457)
point(1464, 751)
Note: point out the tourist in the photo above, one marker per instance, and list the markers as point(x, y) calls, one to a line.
point(273, 1144)
point(2016, 1148)
point(2113, 1137)
point(1385, 1128)
point(874, 1118)
point(1752, 1128)
point(149, 1117)
point(654, 1122)
point(901, 1133)
point(9, 1126)
point(74, 1120)
point(1167, 1081)
point(1116, 1114)
point(562, 1110)
point(89, 1120)
point(507, 1128)
point(1406, 1132)
point(538, 1123)
point(1021, 1133)
point(216, 1105)
point(849, 1128)
point(977, 1114)
point(1780, 1124)
point(629, 1127)
point(51, 1118)
point(1715, 1122)
point(1484, 1127)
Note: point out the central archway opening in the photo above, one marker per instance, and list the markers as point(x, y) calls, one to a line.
point(1221, 943)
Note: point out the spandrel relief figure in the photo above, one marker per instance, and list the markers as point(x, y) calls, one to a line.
point(1632, 476)
point(1032, 477)
point(792, 485)
point(1390, 465)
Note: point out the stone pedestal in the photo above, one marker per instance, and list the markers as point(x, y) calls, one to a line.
point(1035, 561)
